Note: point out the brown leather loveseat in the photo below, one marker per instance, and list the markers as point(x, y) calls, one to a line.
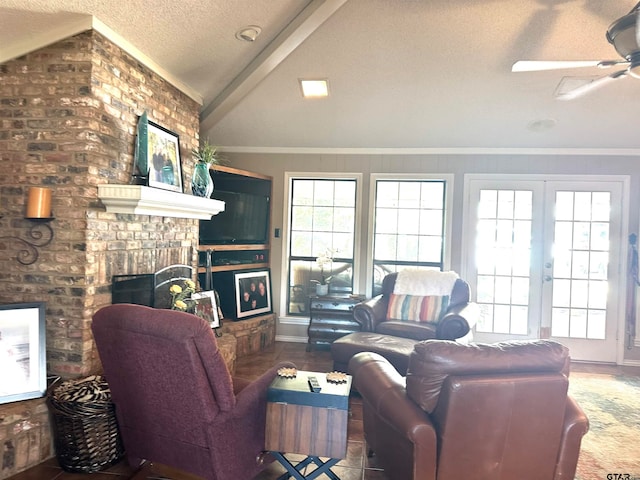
point(487, 412)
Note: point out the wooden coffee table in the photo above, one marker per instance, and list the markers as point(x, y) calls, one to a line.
point(308, 423)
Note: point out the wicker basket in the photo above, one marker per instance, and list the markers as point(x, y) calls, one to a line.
point(86, 438)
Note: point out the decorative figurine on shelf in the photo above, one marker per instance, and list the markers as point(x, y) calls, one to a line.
point(201, 182)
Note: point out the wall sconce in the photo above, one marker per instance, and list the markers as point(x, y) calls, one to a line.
point(40, 233)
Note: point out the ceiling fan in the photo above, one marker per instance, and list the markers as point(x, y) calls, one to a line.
point(623, 34)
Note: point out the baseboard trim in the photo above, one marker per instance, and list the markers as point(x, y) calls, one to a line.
point(291, 339)
point(631, 363)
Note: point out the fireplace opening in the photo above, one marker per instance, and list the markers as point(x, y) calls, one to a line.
point(150, 289)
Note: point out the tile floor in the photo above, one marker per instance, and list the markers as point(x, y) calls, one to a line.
point(356, 466)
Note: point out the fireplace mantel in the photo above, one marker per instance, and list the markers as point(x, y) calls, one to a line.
point(141, 200)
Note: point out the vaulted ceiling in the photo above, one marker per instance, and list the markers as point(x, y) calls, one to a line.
point(414, 74)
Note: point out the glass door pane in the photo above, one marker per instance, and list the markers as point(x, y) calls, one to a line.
point(579, 282)
point(545, 262)
point(503, 252)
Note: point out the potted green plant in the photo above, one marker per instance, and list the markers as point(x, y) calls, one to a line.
point(205, 156)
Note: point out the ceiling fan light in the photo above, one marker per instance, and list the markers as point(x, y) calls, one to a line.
point(622, 35)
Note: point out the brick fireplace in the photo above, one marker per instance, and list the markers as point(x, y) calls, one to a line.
point(68, 114)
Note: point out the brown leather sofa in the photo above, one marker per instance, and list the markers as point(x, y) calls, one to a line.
point(395, 339)
point(457, 322)
point(487, 412)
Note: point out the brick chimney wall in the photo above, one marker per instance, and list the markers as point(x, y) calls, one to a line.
point(68, 115)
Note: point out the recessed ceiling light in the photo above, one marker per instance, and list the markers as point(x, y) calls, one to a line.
point(314, 88)
point(542, 125)
point(248, 34)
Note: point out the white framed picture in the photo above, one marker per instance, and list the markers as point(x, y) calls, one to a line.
point(206, 307)
point(23, 373)
point(163, 158)
point(253, 292)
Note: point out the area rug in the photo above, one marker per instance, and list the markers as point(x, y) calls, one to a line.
point(612, 445)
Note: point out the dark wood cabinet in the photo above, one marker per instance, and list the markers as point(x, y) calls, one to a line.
point(331, 317)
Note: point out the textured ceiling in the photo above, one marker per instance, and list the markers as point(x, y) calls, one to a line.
point(423, 74)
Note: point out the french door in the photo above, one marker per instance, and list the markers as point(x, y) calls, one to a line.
point(545, 262)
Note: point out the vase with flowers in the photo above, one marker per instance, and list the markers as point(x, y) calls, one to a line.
point(181, 295)
point(325, 262)
point(201, 182)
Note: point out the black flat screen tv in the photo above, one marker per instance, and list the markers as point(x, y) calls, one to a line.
point(245, 220)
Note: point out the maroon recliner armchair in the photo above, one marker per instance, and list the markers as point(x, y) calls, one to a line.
point(486, 412)
point(176, 403)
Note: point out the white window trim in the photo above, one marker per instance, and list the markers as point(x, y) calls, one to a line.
point(448, 213)
point(286, 216)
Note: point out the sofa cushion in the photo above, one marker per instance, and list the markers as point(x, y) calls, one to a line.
point(417, 308)
point(414, 330)
point(432, 361)
point(395, 349)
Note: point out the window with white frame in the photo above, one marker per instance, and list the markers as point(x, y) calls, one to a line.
point(322, 223)
point(409, 222)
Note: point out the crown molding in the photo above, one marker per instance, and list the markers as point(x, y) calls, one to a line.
point(622, 152)
point(120, 41)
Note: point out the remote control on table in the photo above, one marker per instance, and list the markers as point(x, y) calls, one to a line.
point(313, 384)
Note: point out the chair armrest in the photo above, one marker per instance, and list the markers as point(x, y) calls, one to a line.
point(390, 417)
point(371, 312)
point(256, 391)
point(458, 321)
point(576, 425)
point(244, 425)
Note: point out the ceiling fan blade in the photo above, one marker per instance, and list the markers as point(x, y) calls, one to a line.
point(540, 65)
point(638, 25)
point(593, 85)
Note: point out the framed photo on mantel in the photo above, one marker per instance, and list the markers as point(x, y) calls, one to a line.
point(157, 161)
point(163, 158)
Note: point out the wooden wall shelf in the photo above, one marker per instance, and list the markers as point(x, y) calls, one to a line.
point(231, 267)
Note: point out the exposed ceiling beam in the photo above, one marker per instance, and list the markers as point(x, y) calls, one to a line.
point(307, 21)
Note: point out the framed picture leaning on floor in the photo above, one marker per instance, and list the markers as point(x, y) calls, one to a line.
point(206, 307)
point(23, 371)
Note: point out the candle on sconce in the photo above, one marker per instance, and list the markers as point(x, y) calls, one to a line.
point(39, 203)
